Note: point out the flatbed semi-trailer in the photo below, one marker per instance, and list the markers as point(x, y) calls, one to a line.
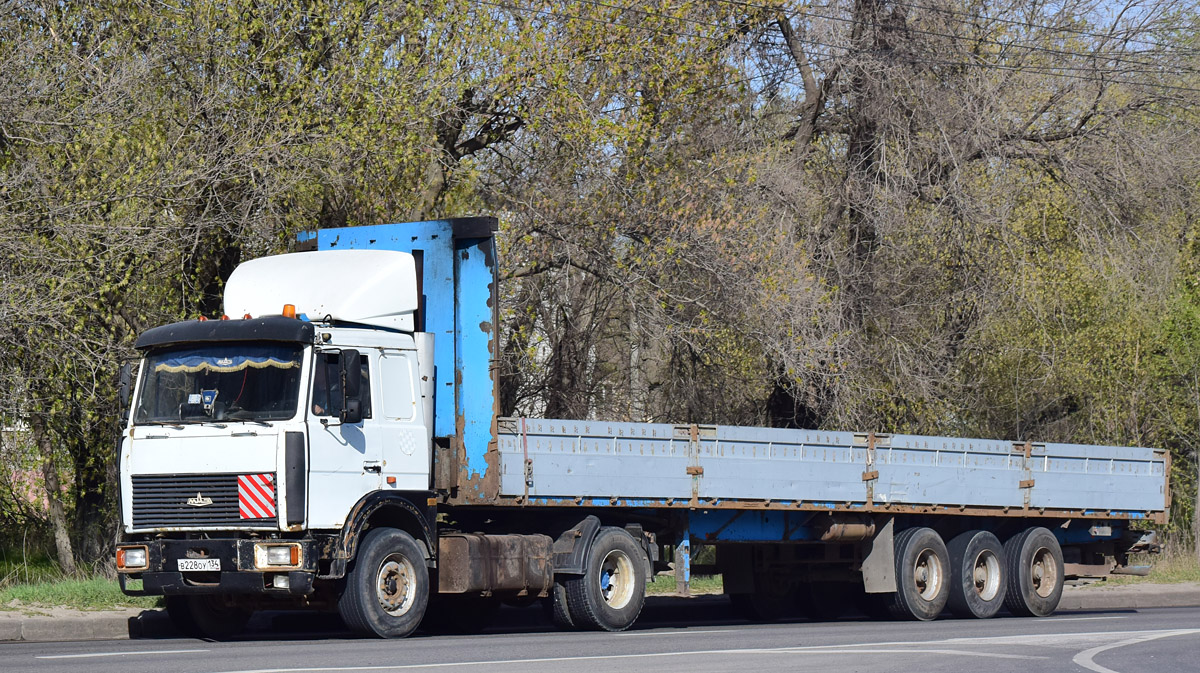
point(338, 447)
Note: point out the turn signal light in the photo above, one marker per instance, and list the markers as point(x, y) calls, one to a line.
point(289, 310)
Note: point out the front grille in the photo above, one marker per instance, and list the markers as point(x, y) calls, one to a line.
point(161, 500)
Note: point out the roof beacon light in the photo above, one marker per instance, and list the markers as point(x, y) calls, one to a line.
point(289, 310)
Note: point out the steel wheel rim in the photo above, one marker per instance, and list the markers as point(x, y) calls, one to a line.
point(1043, 572)
point(986, 575)
point(927, 574)
point(616, 578)
point(395, 585)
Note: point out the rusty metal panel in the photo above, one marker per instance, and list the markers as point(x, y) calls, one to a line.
point(477, 563)
point(458, 286)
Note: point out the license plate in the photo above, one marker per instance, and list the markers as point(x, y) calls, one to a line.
point(186, 564)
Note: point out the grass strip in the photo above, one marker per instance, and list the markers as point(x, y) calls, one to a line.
point(700, 584)
point(97, 593)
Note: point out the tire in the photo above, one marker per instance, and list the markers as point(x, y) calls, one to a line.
point(1033, 561)
point(978, 580)
point(610, 594)
point(556, 608)
point(922, 575)
point(387, 589)
point(207, 616)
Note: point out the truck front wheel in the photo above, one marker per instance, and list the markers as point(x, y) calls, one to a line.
point(1034, 563)
point(610, 593)
point(387, 589)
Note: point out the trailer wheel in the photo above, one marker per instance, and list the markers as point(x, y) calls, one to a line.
point(978, 580)
point(206, 616)
point(387, 589)
point(1033, 561)
point(610, 593)
point(922, 575)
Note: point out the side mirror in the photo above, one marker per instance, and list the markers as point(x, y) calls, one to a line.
point(351, 375)
point(125, 388)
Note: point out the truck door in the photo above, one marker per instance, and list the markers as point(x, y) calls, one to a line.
point(405, 439)
point(344, 458)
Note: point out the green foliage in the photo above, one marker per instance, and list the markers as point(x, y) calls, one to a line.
point(702, 220)
point(80, 594)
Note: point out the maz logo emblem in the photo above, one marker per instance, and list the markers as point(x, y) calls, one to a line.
point(199, 501)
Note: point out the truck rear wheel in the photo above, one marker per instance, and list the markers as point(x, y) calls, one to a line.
point(556, 609)
point(977, 577)
point(610, 593)
point(387, 590)
point(922, 575)
point(1033, 561)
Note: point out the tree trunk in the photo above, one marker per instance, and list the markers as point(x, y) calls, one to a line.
point(1196, 513)
point(53, 487)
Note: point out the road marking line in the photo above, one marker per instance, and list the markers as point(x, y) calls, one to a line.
point(1050, 639)
point(1085, 658)
point(115, 654)
point(1085, 619)
point(992, 655)
point(675, 633)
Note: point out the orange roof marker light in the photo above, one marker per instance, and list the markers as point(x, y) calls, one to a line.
point(202, 319)
point(224, 317)
point(246, 317)
point(289, 310)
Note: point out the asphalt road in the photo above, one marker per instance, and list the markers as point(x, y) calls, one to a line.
point(685, 636)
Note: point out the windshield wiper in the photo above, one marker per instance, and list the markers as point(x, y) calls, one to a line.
point(171, 424)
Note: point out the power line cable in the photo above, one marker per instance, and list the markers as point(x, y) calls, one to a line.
point(1060, 71)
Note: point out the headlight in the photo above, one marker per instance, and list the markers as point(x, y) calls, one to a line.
point(267, 555)
point(131, 558)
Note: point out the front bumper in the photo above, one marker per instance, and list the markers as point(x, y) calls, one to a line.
point(238, 573)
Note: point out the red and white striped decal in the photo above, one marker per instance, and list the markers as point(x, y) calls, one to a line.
point(256, 496)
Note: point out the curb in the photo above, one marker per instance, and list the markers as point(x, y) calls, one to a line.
point(136, 624)
point(78, 625)
point(1131, 597)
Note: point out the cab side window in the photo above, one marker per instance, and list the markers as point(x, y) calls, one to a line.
point(327, 386)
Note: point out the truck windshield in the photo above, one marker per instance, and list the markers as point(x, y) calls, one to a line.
point(220, 382)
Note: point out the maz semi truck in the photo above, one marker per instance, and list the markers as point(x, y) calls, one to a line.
point(332, 443)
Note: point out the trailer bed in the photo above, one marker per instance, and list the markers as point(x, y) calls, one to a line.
point(562, 462)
